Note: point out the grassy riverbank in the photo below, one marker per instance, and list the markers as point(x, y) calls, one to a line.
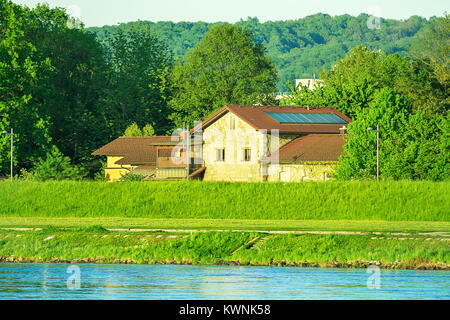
point(338, 200)
point(96, 244)
point(401, 225)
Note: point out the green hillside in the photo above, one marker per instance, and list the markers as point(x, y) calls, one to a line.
point(299, 48)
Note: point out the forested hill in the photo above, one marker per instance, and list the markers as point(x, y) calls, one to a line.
point(300, 47)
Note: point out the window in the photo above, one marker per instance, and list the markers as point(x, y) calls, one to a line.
point(180, 153)
point(220, 154)
point(247, 154)
point(232, 123)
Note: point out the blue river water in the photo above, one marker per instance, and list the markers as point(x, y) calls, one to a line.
point(156, 282)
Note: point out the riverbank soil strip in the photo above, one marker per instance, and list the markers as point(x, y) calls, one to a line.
point(229, 224)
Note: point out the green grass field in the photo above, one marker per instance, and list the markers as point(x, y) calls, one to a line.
point(351, 201)
point(74, 216)
point(95, 244)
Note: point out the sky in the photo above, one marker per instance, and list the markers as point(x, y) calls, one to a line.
point(110, 12)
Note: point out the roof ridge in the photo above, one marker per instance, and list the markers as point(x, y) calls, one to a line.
point(144, 137)
point(273, 106)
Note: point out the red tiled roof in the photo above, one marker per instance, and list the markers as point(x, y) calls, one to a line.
point(312, 147)
point(136, 150)
point(256, 116)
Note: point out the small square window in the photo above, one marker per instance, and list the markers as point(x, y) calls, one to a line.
point(220, 155)
point(247, 154)
point(232, 123)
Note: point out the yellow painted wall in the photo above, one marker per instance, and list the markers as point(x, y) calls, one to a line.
point(113, 171)
point(111, 161)
point(115, 174)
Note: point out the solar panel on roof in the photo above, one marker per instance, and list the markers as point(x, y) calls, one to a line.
point(306, 118)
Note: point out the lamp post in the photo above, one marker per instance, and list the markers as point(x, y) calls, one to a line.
point(188, 151)
point(378, 150)
point(12, 149)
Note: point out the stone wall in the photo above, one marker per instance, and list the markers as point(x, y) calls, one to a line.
point(301, 172)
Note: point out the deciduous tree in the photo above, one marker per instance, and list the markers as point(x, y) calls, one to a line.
point(139, 88)
point(226, 67)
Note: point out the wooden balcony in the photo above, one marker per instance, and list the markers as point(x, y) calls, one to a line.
point(168, 162)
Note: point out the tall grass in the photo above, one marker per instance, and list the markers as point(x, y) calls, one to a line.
point(337, 200)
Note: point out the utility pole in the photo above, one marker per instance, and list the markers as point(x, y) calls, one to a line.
point(12, 150)
point(378, 150)
point(188, 152)
point(378, 153)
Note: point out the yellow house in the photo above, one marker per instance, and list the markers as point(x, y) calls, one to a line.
point(131, 154)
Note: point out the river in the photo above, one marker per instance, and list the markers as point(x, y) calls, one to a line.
point(155, 282)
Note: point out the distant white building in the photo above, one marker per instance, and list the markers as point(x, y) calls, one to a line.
point(309, 83)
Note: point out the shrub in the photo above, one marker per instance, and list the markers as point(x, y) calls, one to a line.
point(100, 174)
point(132, 177)
point(55, 166)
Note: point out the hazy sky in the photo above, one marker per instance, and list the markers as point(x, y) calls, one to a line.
point(109, 12)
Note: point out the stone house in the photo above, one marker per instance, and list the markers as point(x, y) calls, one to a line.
point(272, 143)
point(238, 144)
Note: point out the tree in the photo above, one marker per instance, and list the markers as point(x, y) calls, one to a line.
point(226, 67)
point(419, 149)
point(134, 131)
point(72, 101)
point(412, 145)
point(53, 78)
point(299, 47)
point(148, 131)
point(349, 85)
point(139, 88)
point(23, 74)
point(352, 83)
point(55, 166)
point(433, 46)
point(432, 52)
point(388, 110)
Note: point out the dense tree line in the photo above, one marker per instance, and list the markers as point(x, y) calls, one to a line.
point(66, 94)
point(407, 97)
point(67, 91)
point(299, 48)
point(226, 67)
